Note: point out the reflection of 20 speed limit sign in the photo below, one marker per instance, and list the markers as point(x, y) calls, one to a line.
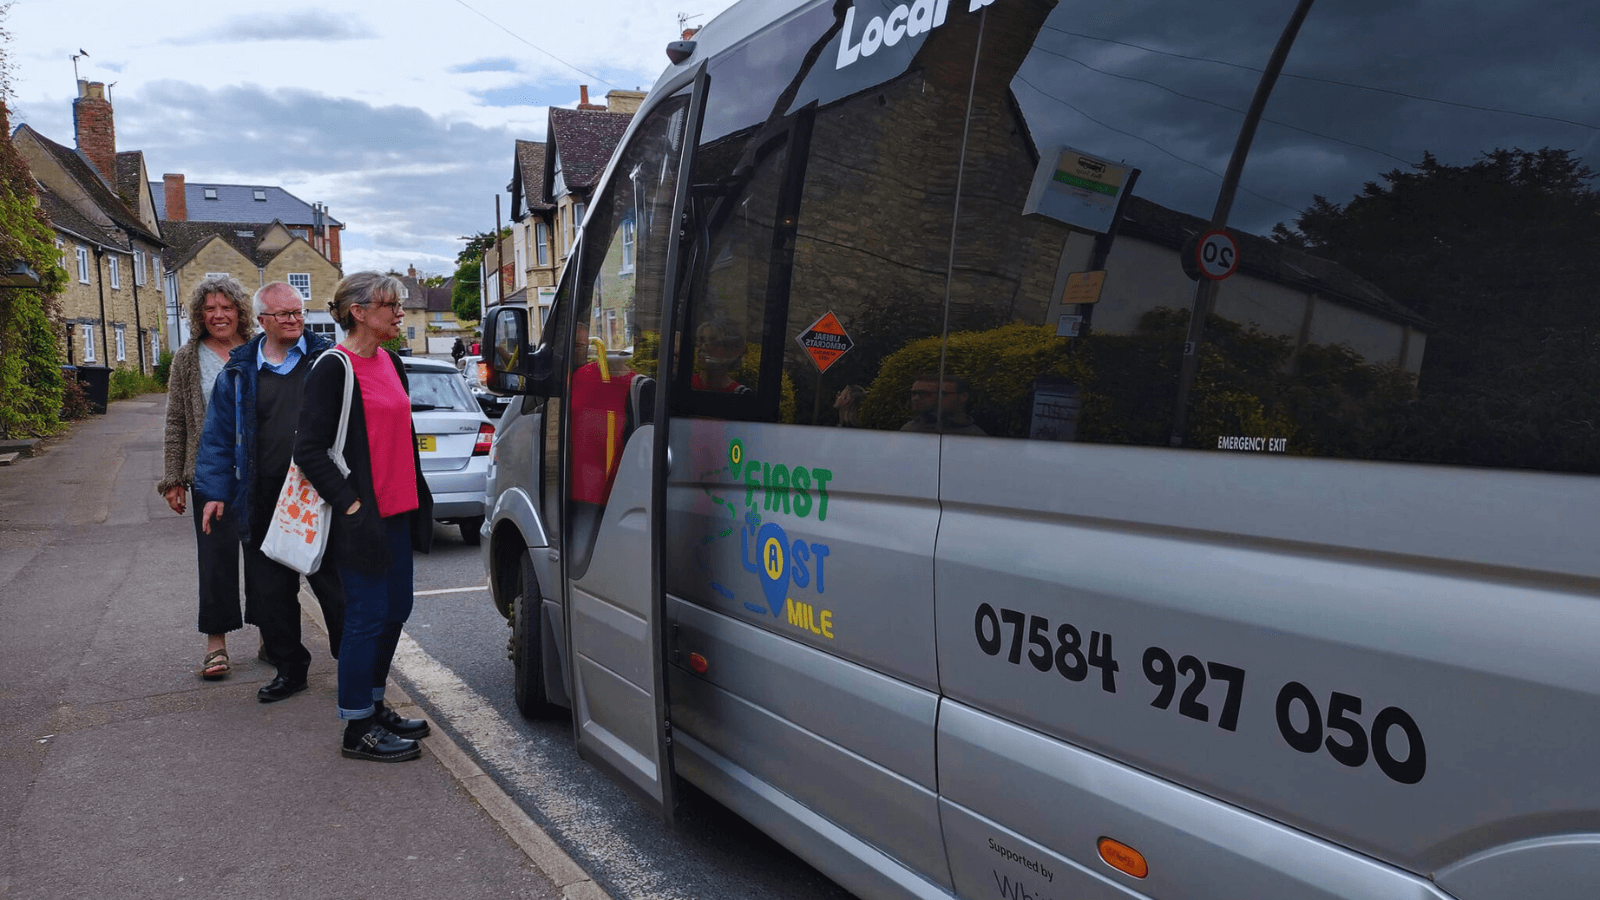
point(1217, 255)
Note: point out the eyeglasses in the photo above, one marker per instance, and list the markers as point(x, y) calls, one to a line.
point(290, 316)
point(388, 305)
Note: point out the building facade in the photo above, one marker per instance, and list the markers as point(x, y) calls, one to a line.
point(109, 238)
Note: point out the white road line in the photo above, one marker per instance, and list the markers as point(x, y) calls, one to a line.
point(481, 587)
point(525, 762)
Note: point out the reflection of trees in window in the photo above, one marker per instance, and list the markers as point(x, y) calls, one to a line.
point(1333, 404)
point(1503, 255)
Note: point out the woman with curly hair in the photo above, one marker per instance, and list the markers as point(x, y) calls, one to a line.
point(219, 321)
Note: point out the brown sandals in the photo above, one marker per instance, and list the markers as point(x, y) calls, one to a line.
point(215, 665)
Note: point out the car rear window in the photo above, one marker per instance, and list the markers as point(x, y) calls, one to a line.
point(440, 390)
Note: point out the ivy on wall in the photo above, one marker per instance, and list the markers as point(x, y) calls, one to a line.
point(30, 354)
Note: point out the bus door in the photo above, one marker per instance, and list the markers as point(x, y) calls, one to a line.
point(612, 331)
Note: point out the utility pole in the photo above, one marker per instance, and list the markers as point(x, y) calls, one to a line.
point(1206, 291)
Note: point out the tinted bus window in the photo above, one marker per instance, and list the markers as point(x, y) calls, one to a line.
point(829, 227)
point(1413, 230)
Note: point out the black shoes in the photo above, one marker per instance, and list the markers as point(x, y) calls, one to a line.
point(408, 729)
point(366, 739)
point(280, 688)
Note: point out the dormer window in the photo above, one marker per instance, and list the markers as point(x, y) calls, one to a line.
point(261, 195)
point(210, 193)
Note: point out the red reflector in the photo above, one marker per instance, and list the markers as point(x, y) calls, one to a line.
point(698, 664)
point(1123, 858)
point(485, 439)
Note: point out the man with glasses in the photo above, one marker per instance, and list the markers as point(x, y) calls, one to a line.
point(940, 408)
point(245, 450)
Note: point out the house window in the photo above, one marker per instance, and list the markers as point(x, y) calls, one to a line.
point(121, 332)
point(566, 235)
point(301, 281)
point(210, 193)
point(116, 272)
point(138, 267)
point(261, 196)
point(155, 345)
point(301, 233)
point(438, 317)
point(411, 332)
point(83, 265)
point(87, 332)
point(522, 260)
point(627, 246)
point(541, 241)
point(577, 215)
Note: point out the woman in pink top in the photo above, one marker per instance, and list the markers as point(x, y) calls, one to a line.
point(382, 509)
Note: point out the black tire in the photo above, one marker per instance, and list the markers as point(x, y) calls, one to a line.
point(527, 655)
point(469, 530)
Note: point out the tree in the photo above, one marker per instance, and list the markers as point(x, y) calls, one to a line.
point(1502, 255)
point(478, 244)
point(464, 299)
point(31, 384)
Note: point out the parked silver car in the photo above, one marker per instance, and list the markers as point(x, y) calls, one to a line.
point(475, 371)
point(454, 437)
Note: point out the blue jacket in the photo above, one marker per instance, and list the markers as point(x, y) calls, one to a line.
point(225, 468)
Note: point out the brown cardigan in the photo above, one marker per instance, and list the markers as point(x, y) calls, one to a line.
point(186, 416)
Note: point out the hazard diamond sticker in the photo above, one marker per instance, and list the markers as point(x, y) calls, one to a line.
point(825, 341)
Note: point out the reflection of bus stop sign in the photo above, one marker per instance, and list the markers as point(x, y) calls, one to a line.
point(825, 341)
point(1217, 255)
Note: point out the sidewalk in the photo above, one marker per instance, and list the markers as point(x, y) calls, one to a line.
point(123, 775)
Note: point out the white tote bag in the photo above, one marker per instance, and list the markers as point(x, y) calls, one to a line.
point(298, 534)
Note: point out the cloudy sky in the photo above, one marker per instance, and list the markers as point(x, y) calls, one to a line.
point(400, 115)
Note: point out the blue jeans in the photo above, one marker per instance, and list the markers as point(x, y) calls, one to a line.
point(376, 609)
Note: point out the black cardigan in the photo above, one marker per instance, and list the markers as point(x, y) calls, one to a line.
point(355, 540)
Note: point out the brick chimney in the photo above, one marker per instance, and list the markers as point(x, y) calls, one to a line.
point(583, 100)
point(412, 272)
point(176, 201)
point(97, 136)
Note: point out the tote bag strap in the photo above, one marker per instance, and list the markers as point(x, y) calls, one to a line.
point(336, 452)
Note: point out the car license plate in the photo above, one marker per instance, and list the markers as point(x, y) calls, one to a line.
point(426, 443)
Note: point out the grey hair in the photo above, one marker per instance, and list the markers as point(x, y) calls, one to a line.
point(362, 289)
point(259, 302)
point(227, 286)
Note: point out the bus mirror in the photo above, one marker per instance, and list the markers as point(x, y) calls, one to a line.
point(512, 366)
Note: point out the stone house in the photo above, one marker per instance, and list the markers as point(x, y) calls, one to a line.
point(414, 305)
point(257, 234)
point(253, 253)
point(109, 236)
point(551, 184)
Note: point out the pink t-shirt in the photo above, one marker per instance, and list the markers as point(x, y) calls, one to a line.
point(388, 409)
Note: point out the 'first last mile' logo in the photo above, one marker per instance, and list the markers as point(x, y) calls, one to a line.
point(905, 20)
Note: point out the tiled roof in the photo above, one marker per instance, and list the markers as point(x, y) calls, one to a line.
point(64, 217)
point(184, 240)
point(77, 167)
point(528, 186)
point(416, 295)
point(238, 203)
point(439, 300)
point(1270, 260)
point(584, 139)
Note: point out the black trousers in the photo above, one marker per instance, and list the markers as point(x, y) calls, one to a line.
point(271, 596)
point(218, 557)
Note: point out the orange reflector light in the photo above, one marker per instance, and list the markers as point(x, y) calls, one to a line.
point(1123, 858)
point(698, 663)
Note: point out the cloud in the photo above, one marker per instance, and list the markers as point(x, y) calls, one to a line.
point(302, 25)
point(497, 64)
point(404, 182)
